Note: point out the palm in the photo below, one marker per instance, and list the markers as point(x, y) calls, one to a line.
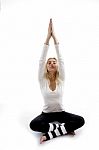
point(51, 28)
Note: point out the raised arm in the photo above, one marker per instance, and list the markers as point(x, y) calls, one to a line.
point(44, 54)
point(59, 56)
point(60, 62)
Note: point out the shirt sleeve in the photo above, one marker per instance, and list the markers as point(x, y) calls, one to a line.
point(42, 62)
point(60, 63)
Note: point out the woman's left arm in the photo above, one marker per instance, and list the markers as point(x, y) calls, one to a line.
point(59, 56)
point(60, 63)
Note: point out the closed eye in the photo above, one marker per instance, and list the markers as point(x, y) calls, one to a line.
point(54, 62)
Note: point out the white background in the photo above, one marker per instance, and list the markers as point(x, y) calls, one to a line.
point(23, 30)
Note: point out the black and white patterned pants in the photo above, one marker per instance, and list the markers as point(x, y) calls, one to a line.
point(54, 124)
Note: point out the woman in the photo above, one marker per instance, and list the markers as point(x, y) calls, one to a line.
point(54, 120)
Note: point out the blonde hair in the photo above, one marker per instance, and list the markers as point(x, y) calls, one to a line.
point(56, 74)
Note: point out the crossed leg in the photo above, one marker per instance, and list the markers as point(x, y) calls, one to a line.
point(67, 124)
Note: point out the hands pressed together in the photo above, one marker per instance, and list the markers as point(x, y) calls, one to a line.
point(51, 33)
point(51, 29)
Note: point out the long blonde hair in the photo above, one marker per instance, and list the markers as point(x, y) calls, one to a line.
point(57, 79)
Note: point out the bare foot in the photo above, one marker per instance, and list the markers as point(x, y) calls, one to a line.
point(42, 139)
point(71, 133)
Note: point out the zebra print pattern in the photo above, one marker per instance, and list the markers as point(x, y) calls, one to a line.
point(53, 126)
point(55, 130)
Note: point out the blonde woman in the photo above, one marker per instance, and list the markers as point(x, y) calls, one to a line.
point(53, 120)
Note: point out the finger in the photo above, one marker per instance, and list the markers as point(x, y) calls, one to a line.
point(50, 20)
point(49, 25)
point(52, 26)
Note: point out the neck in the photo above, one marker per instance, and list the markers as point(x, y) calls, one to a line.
point(51, 76)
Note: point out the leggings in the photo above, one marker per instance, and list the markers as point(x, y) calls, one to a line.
point(42, 122)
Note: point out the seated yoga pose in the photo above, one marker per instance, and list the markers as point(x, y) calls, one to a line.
point(53, 121)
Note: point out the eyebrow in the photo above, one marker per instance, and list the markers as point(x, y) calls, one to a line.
point(50, 60)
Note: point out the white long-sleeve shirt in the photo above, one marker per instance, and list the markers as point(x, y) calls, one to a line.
point(52, 99)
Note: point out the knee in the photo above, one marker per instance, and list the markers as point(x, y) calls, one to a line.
point(82, 121)
point(33, 125)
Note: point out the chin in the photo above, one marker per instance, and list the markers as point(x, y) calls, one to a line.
point(53, 70)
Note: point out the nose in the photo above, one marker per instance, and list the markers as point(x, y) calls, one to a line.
point(52, 64)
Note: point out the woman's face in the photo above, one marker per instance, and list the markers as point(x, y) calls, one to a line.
point(52, 65)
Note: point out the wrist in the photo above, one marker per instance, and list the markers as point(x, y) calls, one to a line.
point(48, 36)
point(55, 40)
point(53, 37)
point(47, 40)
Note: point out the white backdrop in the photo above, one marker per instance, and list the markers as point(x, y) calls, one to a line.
point(23, 30)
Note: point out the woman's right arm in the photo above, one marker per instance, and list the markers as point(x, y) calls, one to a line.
point(44, 54)
point(43, 60)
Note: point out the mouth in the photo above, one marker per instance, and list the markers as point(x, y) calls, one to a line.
point(52, 67)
